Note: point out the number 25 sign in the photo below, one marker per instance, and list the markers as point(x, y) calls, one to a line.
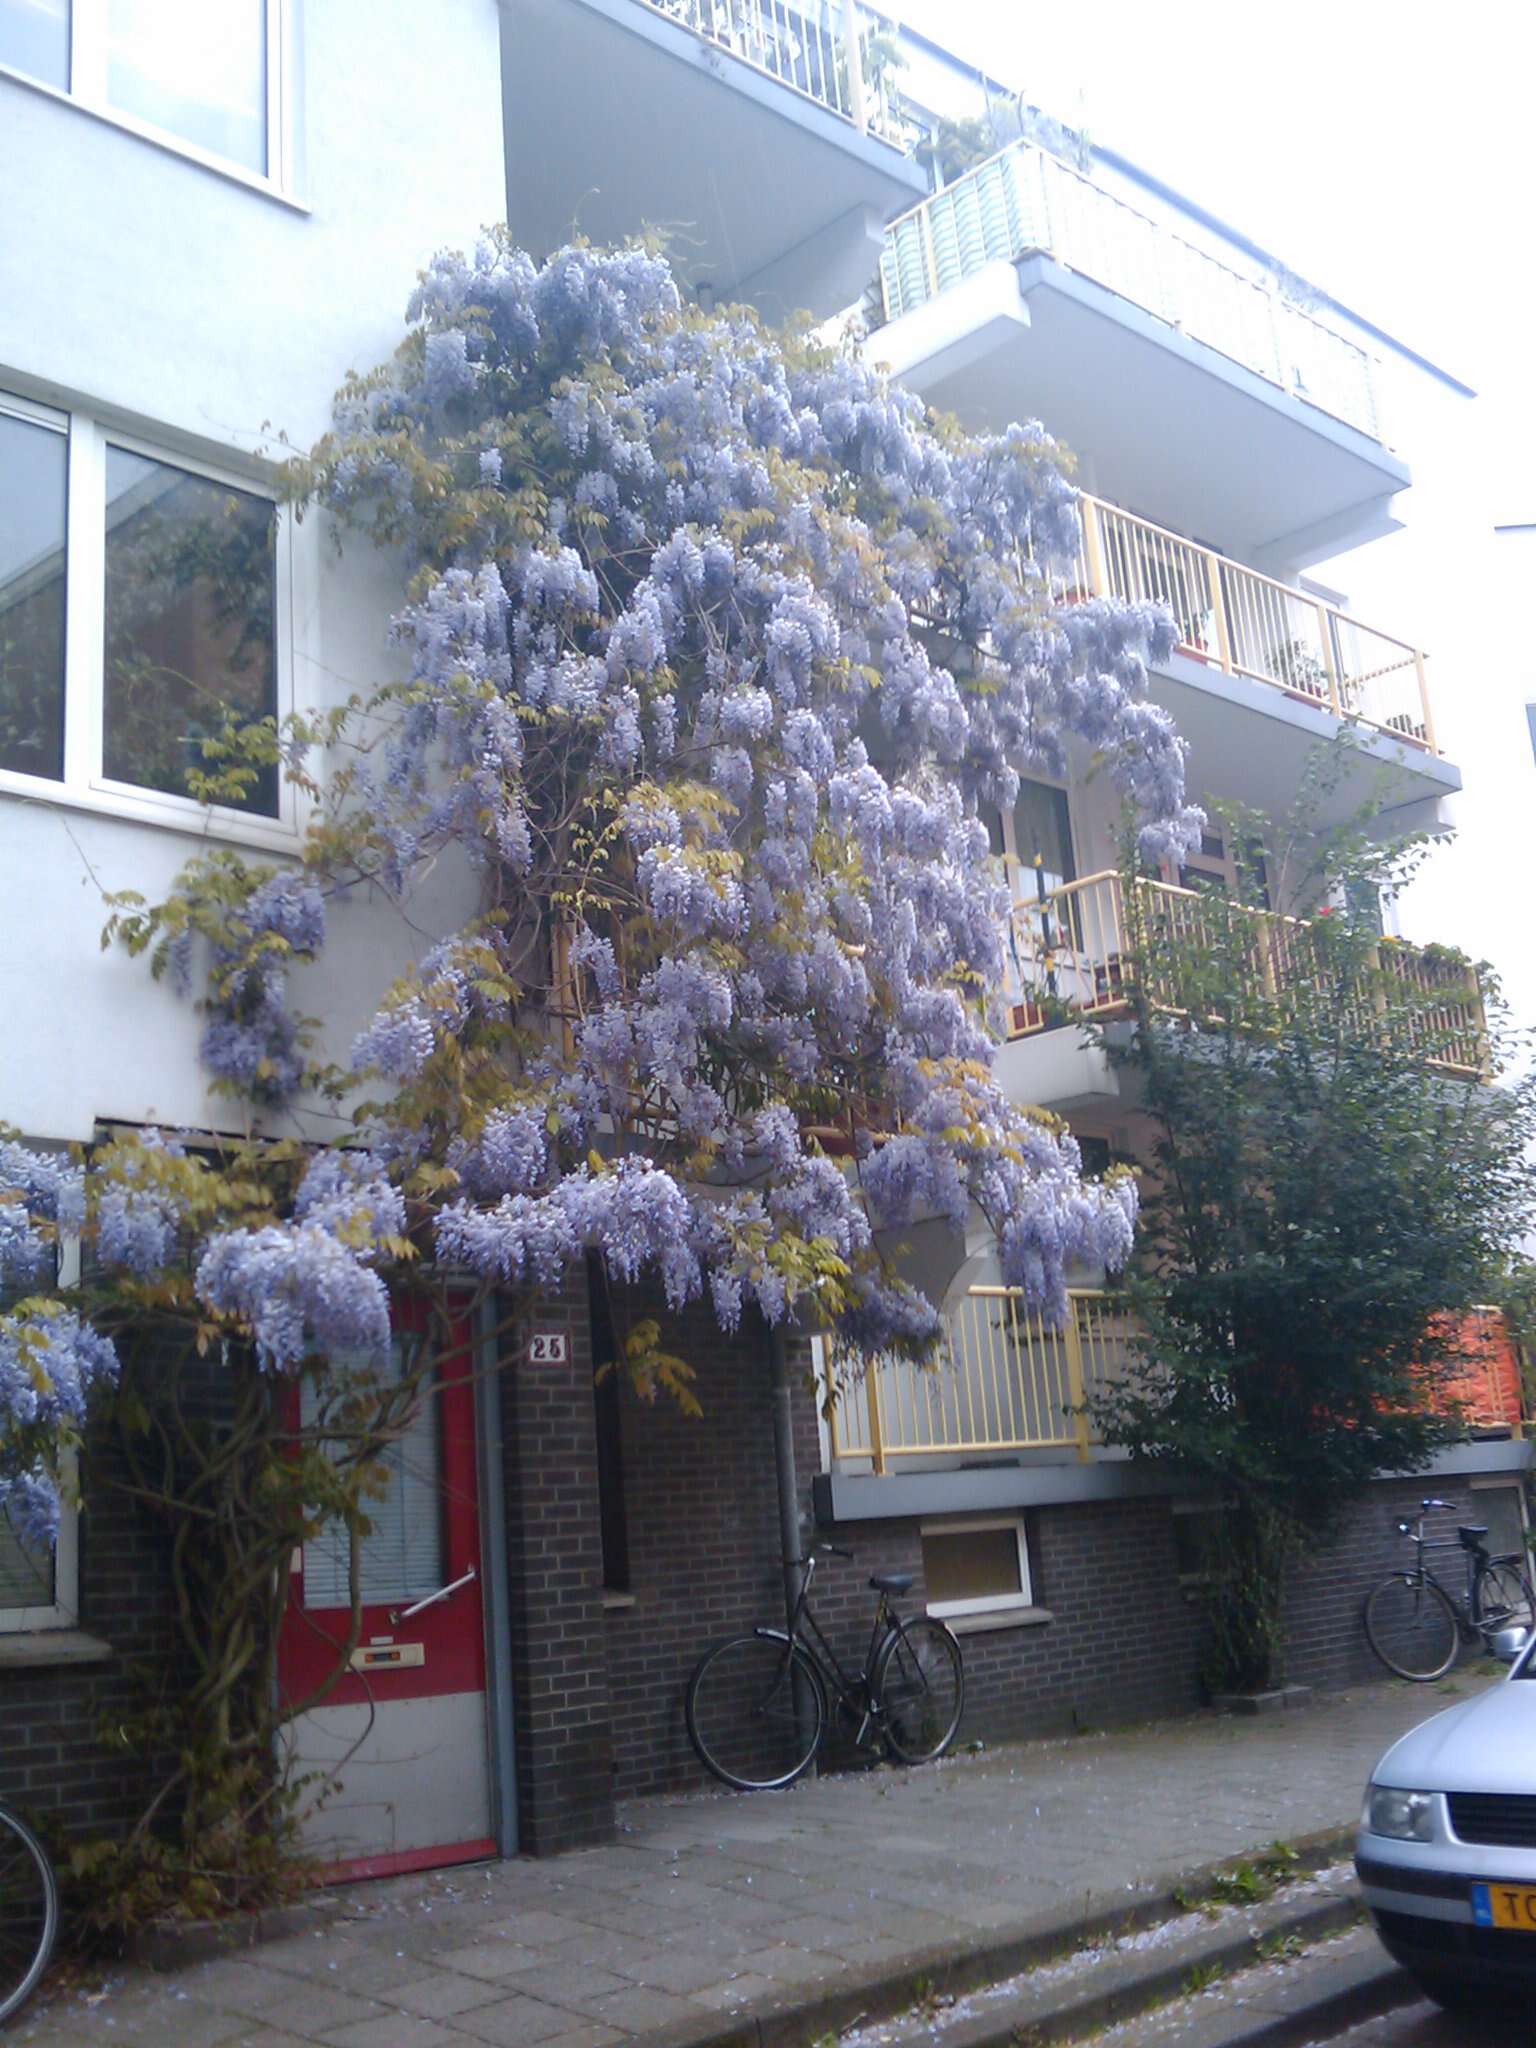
point(547, 1347)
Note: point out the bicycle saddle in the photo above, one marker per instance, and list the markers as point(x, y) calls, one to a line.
point(1471, 1538)
point(893, 1582)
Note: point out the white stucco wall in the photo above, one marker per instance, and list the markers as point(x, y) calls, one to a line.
point(207, 315)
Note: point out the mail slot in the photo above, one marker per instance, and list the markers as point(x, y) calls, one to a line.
point(387, 1656)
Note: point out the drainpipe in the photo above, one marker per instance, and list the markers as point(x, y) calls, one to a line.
point(493, 1557)
point(784, 1467)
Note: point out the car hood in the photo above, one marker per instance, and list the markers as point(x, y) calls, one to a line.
point(1486, 1744)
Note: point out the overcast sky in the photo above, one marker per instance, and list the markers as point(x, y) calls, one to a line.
point(1387, 153)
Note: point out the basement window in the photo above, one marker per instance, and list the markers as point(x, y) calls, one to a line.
point(976, 1567)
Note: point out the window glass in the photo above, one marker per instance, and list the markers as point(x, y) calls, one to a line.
point(34, 38)
point(32, 505)
point(1499, 1507)
point(189, 621)
point(197, 68)
point(1042, 830)
point(402, 1554)
point(26, 1575)
point(971, 1564)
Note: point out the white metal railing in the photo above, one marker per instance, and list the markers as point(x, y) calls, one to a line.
point(1248, 624)
point(1006, 1380)
point(1073, 951)
point(820, 48)
point(1024, 199)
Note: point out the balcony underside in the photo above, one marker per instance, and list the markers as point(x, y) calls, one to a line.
point(1163, 423)
point(619, 119)
point(1249, 741)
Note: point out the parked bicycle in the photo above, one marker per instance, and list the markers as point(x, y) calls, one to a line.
point(1415, 1625)
point(29, 1912)
point(759, 1705)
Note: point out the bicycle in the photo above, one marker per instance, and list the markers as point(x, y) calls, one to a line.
point(29, 1912)
point(1415, 1626)
point(758, 1705)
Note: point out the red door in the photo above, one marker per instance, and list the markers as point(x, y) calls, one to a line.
point(401, 1738)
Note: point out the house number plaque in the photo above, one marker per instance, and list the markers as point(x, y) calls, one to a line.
point(548, 1347)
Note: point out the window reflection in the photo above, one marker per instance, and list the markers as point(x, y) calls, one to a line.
point(189, 622)
point(32, 500)
point(34, 38)
point(197, 68)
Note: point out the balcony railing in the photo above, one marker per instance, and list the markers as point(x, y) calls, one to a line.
point(1072, 951)
point(820, 48)
point(1006, 1382)
point(1024, 199)
point(1246, 624)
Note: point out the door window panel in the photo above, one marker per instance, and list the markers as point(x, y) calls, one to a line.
point(32, 534)
point(34, 38)
point(402, 1555)
point(190, 601)
point(197, 68)
point(1042, 833)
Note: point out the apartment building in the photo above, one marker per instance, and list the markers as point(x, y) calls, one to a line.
point(220, 211)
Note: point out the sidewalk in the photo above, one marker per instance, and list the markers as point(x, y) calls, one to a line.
point(712, 1909)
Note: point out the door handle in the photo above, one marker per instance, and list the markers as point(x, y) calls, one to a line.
point(398, 1614)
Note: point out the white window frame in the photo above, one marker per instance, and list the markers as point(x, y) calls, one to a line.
point(87, 90)
point(85, 783)
point(65, 1609)
point(986, 1603)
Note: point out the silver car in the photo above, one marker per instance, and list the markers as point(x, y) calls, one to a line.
point(1446, 1851)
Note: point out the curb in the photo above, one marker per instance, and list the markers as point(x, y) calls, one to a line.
point(1364, 1988)
point(952, 1969)
point(176, 1945)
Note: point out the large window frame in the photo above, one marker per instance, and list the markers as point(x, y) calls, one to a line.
point(85, 783)
point(87, 90)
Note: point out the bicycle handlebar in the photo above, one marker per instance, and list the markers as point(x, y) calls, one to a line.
point(832, 1550)
point(1448, 1505)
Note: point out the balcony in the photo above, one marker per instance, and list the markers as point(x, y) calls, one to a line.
point(1072, 953)
point(1245, 624)
point(1005, 1382)
point(1008, 1386)
point(783, 156)
point(1029, 289)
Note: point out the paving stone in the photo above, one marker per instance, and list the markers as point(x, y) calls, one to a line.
point(395, 2030)
point(513, 2023)
point(491, 1959)
point(636, 2009)
point(441, 1994)
point(575, 1983)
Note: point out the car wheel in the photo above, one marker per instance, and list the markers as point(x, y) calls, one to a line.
point(1473, 2001)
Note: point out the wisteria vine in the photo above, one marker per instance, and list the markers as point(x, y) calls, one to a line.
point(720, 652)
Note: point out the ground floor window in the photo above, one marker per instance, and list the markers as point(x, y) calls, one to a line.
point(976, 1566)
point(1501, 1504)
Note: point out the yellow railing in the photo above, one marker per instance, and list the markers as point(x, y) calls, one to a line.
point(1024, 199)
point(1247, 624)
point(1073, 950)
point(1006, 1381)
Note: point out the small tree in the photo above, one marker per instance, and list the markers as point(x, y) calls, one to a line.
point(1330, 1187)
point(716, 652)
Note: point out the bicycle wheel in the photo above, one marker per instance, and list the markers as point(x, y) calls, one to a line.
point(919, 1684)
point(1504, 1598)
point(29, 1912)
point(755, 1711)
point(1411, 1625)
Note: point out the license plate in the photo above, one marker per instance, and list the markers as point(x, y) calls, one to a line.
point(1505, 1905)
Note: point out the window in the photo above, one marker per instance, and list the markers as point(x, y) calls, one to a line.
point(39, 1589)
point(612, 1514)
point(401, 1556)
point(139, 600)
point(1530, 722)
point(1501, 1504)
point(976, 1567)
point(200, 72)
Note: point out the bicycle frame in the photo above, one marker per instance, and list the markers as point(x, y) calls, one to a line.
point(1479, 1562)
point(850, 1693)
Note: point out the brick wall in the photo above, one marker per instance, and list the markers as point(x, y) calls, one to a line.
point(561, 1714)
point(1326, 1636)
point(53, 1766)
